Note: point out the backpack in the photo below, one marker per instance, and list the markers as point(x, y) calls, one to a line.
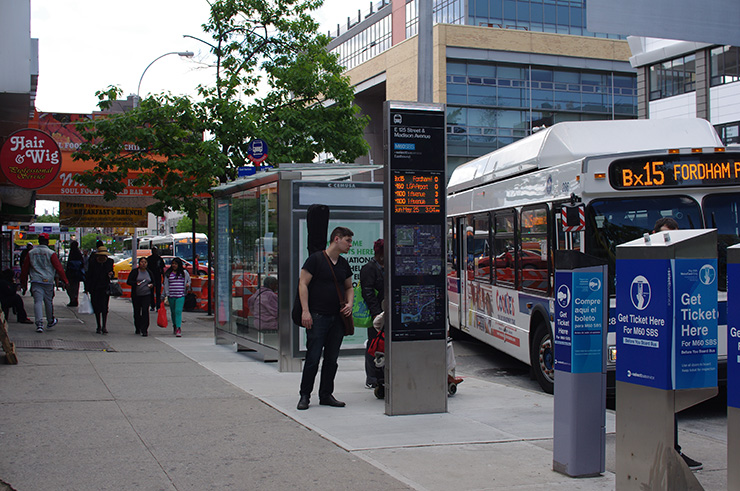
point(377, 344)
point(190, 302)
point(76, 272)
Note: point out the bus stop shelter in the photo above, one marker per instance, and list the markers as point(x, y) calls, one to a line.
point(261, 230)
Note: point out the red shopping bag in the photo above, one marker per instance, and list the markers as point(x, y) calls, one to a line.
point(162, 316)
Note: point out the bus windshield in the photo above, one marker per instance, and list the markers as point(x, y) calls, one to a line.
point(722, 211)
point(185, 250)
point(619, 220)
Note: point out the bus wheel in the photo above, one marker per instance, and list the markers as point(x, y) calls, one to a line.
point(543, 358)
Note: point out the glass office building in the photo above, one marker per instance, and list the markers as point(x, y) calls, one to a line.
point(508, 67)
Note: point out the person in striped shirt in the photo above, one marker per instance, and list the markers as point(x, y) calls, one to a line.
point(176, 285)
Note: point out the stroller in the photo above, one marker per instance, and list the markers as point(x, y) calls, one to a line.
point(376, 349)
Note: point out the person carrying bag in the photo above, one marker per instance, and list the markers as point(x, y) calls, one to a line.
point(326, 314)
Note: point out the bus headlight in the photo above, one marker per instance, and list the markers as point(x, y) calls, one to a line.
point(611, 354)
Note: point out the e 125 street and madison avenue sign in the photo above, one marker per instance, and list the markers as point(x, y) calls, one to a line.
point(30, 159)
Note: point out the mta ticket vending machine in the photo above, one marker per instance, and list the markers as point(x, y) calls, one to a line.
point(581, 301)
point(666, 286)
point(733, 366)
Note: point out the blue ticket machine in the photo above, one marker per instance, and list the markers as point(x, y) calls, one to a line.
point(581, 301)
point(666, 326)
point(733, 366)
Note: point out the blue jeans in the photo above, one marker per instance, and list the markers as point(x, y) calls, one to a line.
point(43, 294)
point(325, 335)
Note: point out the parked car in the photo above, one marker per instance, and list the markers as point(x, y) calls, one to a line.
point(125, 264)
point(188, 265)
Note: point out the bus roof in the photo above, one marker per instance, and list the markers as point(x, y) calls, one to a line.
point(569, 141)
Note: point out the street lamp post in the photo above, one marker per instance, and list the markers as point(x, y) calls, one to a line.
point(186, 54)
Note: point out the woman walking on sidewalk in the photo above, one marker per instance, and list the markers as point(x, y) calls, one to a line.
point(141, 285)
point(99, 274)
point(176, 285)
point(75, 272)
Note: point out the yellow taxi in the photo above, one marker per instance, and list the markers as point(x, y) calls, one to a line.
point(125, 264)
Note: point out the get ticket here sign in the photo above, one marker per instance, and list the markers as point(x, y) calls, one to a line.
point(667, 322)
point(733, 336)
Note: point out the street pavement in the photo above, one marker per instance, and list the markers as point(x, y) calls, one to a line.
point(85, 411)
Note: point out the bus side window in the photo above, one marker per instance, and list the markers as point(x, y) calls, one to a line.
point(479, 250)
point(452, 249)
point(533, 271)
point(504, 247)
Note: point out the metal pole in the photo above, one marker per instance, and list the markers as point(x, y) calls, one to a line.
point(426, 59)
point(210, 257)
point(186, 54)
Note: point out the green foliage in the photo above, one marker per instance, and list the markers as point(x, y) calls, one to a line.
point(184, 147)
point(185, 225)
point(88, 241)
point(47, 219)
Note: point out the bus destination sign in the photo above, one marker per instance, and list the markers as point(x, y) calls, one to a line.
point(676, 171)
point(417, 192)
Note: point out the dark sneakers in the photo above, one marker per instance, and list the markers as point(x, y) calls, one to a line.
point(303, 403)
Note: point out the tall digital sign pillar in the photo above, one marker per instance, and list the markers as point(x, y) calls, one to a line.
point(733, 366)
point(416, 312)
point(666, 326)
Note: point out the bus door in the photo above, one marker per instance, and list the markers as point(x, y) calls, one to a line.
point(465, 268)
point(453, 271)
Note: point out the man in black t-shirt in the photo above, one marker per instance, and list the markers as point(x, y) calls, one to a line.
point(324, 277)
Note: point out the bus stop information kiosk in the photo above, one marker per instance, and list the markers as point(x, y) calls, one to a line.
point(666, 326)
point(416, 314)
point(581, 300)
point(733, 366)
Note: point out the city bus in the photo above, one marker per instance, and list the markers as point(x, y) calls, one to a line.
point(181, 245)
point(142, 243)
point(504, 221)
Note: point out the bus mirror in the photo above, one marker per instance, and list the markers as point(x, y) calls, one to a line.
point(573, 217)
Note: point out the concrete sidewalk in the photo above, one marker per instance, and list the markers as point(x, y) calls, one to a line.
point(119, 411)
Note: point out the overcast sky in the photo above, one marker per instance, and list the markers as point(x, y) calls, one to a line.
point(88, 45)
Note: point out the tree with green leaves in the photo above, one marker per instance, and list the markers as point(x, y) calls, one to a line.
point(186, 225)
point(183, 146)
point(47, 219)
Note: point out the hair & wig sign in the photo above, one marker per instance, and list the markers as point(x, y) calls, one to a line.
point(30, 159)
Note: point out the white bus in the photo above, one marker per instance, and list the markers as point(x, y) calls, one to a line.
point(181, 245)
point(504, 220)
point(143, 243)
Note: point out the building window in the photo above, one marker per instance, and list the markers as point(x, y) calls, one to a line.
point(443, 12)
point(673, 77)
point(725, 65)
point(729, 133)
point(492, 105)
point(561, 16)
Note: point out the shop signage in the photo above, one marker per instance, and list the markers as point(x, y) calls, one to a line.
point(30, 159)
point(82, 215)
